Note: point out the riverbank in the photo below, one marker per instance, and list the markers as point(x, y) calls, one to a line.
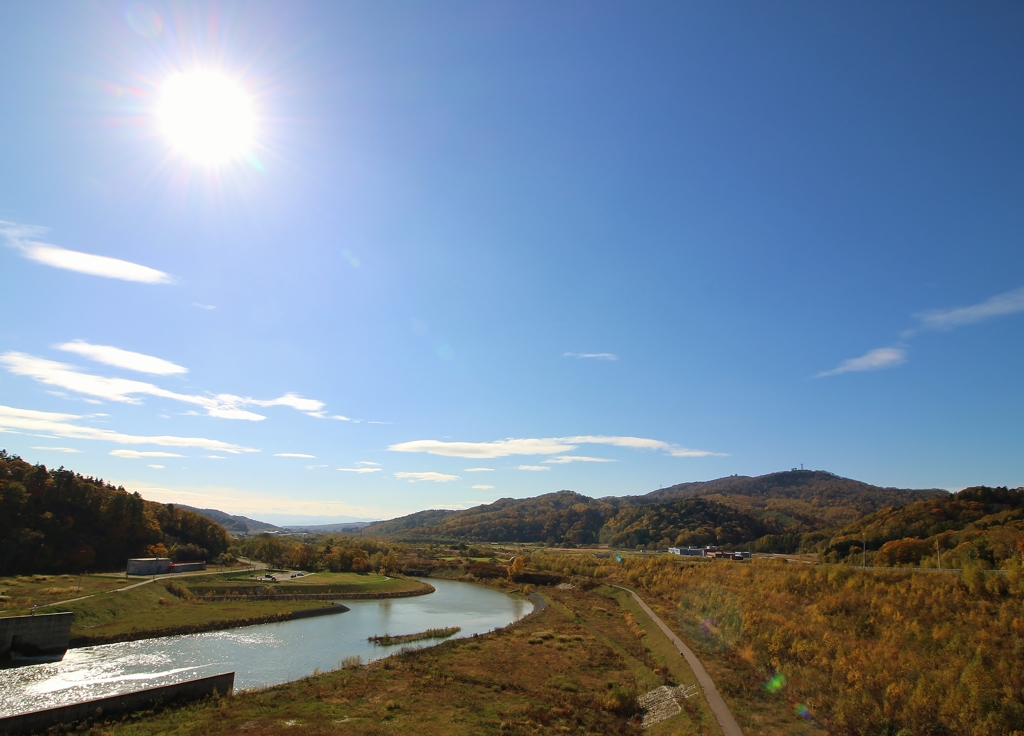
point(198, 628)
point(573, 667)
point(187, 605)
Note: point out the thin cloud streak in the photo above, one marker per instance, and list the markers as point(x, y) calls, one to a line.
point(592, 356)
point(359, 470)
point(431, 476)
point(119, 358)
point(873, 360)
point(59, 425)
point(1000, 305)
point(482, 450)
point(295, 454)
point(137, 453)
point(22, 238)
point(563, 459)
point(57, 449)
point(547, 446)
point(533, 467)
point(126, 391)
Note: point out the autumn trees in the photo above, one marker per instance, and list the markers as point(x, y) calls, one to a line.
point(60, 521)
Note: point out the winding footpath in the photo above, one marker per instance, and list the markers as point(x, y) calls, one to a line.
point(718, 706)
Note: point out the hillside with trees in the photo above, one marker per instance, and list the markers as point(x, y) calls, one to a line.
point(555, 518)
point(795, 500)
point(980, 524)
point(56, 521)
point(779, 512)
point(683, 523)
point(233, 523)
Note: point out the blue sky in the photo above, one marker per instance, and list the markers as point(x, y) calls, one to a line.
point(473, 250)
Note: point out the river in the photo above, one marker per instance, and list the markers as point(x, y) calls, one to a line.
point(267, 654)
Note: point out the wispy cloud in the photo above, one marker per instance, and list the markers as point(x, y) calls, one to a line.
point(534, 467)
point(482, 487)
point(207, 307)
point(367, 462)
point(57, 449)
point(23, 238)
point(123, 358)
point(158, 467)
point(341, 418)
point(137, 453)
point(252, 503)
point(548, 446)
point(592, 356)
point(479, 470)
point(417, 477)
point(500, 448)
point(563, 459)
point(60, 425)
point(295, 454)
point(873, 360)
point(124, 390)
point(1000, 305)
point(359, 470)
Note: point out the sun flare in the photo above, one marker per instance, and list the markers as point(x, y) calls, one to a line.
point(207, 117)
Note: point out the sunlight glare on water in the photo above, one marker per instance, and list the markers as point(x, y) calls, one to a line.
point(262, 655)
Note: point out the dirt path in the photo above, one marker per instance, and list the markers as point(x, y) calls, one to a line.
point(166, 576)
point(718, 706)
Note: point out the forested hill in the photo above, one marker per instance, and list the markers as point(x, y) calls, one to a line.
point(554, 517)
point(795, 500)
point(55, 521)
point(978, 524)
point(778, 508)
point(232, 523)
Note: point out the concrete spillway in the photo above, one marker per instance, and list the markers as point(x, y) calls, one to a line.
point(31, 636)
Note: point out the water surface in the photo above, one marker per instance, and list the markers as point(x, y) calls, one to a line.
point(267, 654)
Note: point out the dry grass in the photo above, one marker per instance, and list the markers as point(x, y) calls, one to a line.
point(569, 669)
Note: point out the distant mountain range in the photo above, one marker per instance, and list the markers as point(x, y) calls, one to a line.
point(773, 512)
point(733, 510)
point(235, 524)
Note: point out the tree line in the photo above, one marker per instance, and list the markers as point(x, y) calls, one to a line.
point(56, 521)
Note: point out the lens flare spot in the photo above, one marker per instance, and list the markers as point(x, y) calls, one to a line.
point(776, 684)
point(802, 711)
point(207, 118)
point(144, 20)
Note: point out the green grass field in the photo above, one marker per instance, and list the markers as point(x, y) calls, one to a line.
point(321, 582)
point(116, 608)
point(18, 594)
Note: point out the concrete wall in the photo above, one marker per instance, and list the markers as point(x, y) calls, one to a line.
point(149, 566)
point(188, 566)
point(103, 708)
point(46, 633)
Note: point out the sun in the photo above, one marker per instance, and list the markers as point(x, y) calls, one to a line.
point(207, 117)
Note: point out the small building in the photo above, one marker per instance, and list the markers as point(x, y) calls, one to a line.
point(149, 566)
point(740, 556)
point(686, 551)
point(187, 566)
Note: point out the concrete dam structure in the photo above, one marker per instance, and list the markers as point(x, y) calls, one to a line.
point(33, 636)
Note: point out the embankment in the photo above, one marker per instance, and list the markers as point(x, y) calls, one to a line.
point(234, 623)
point(102, 708)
